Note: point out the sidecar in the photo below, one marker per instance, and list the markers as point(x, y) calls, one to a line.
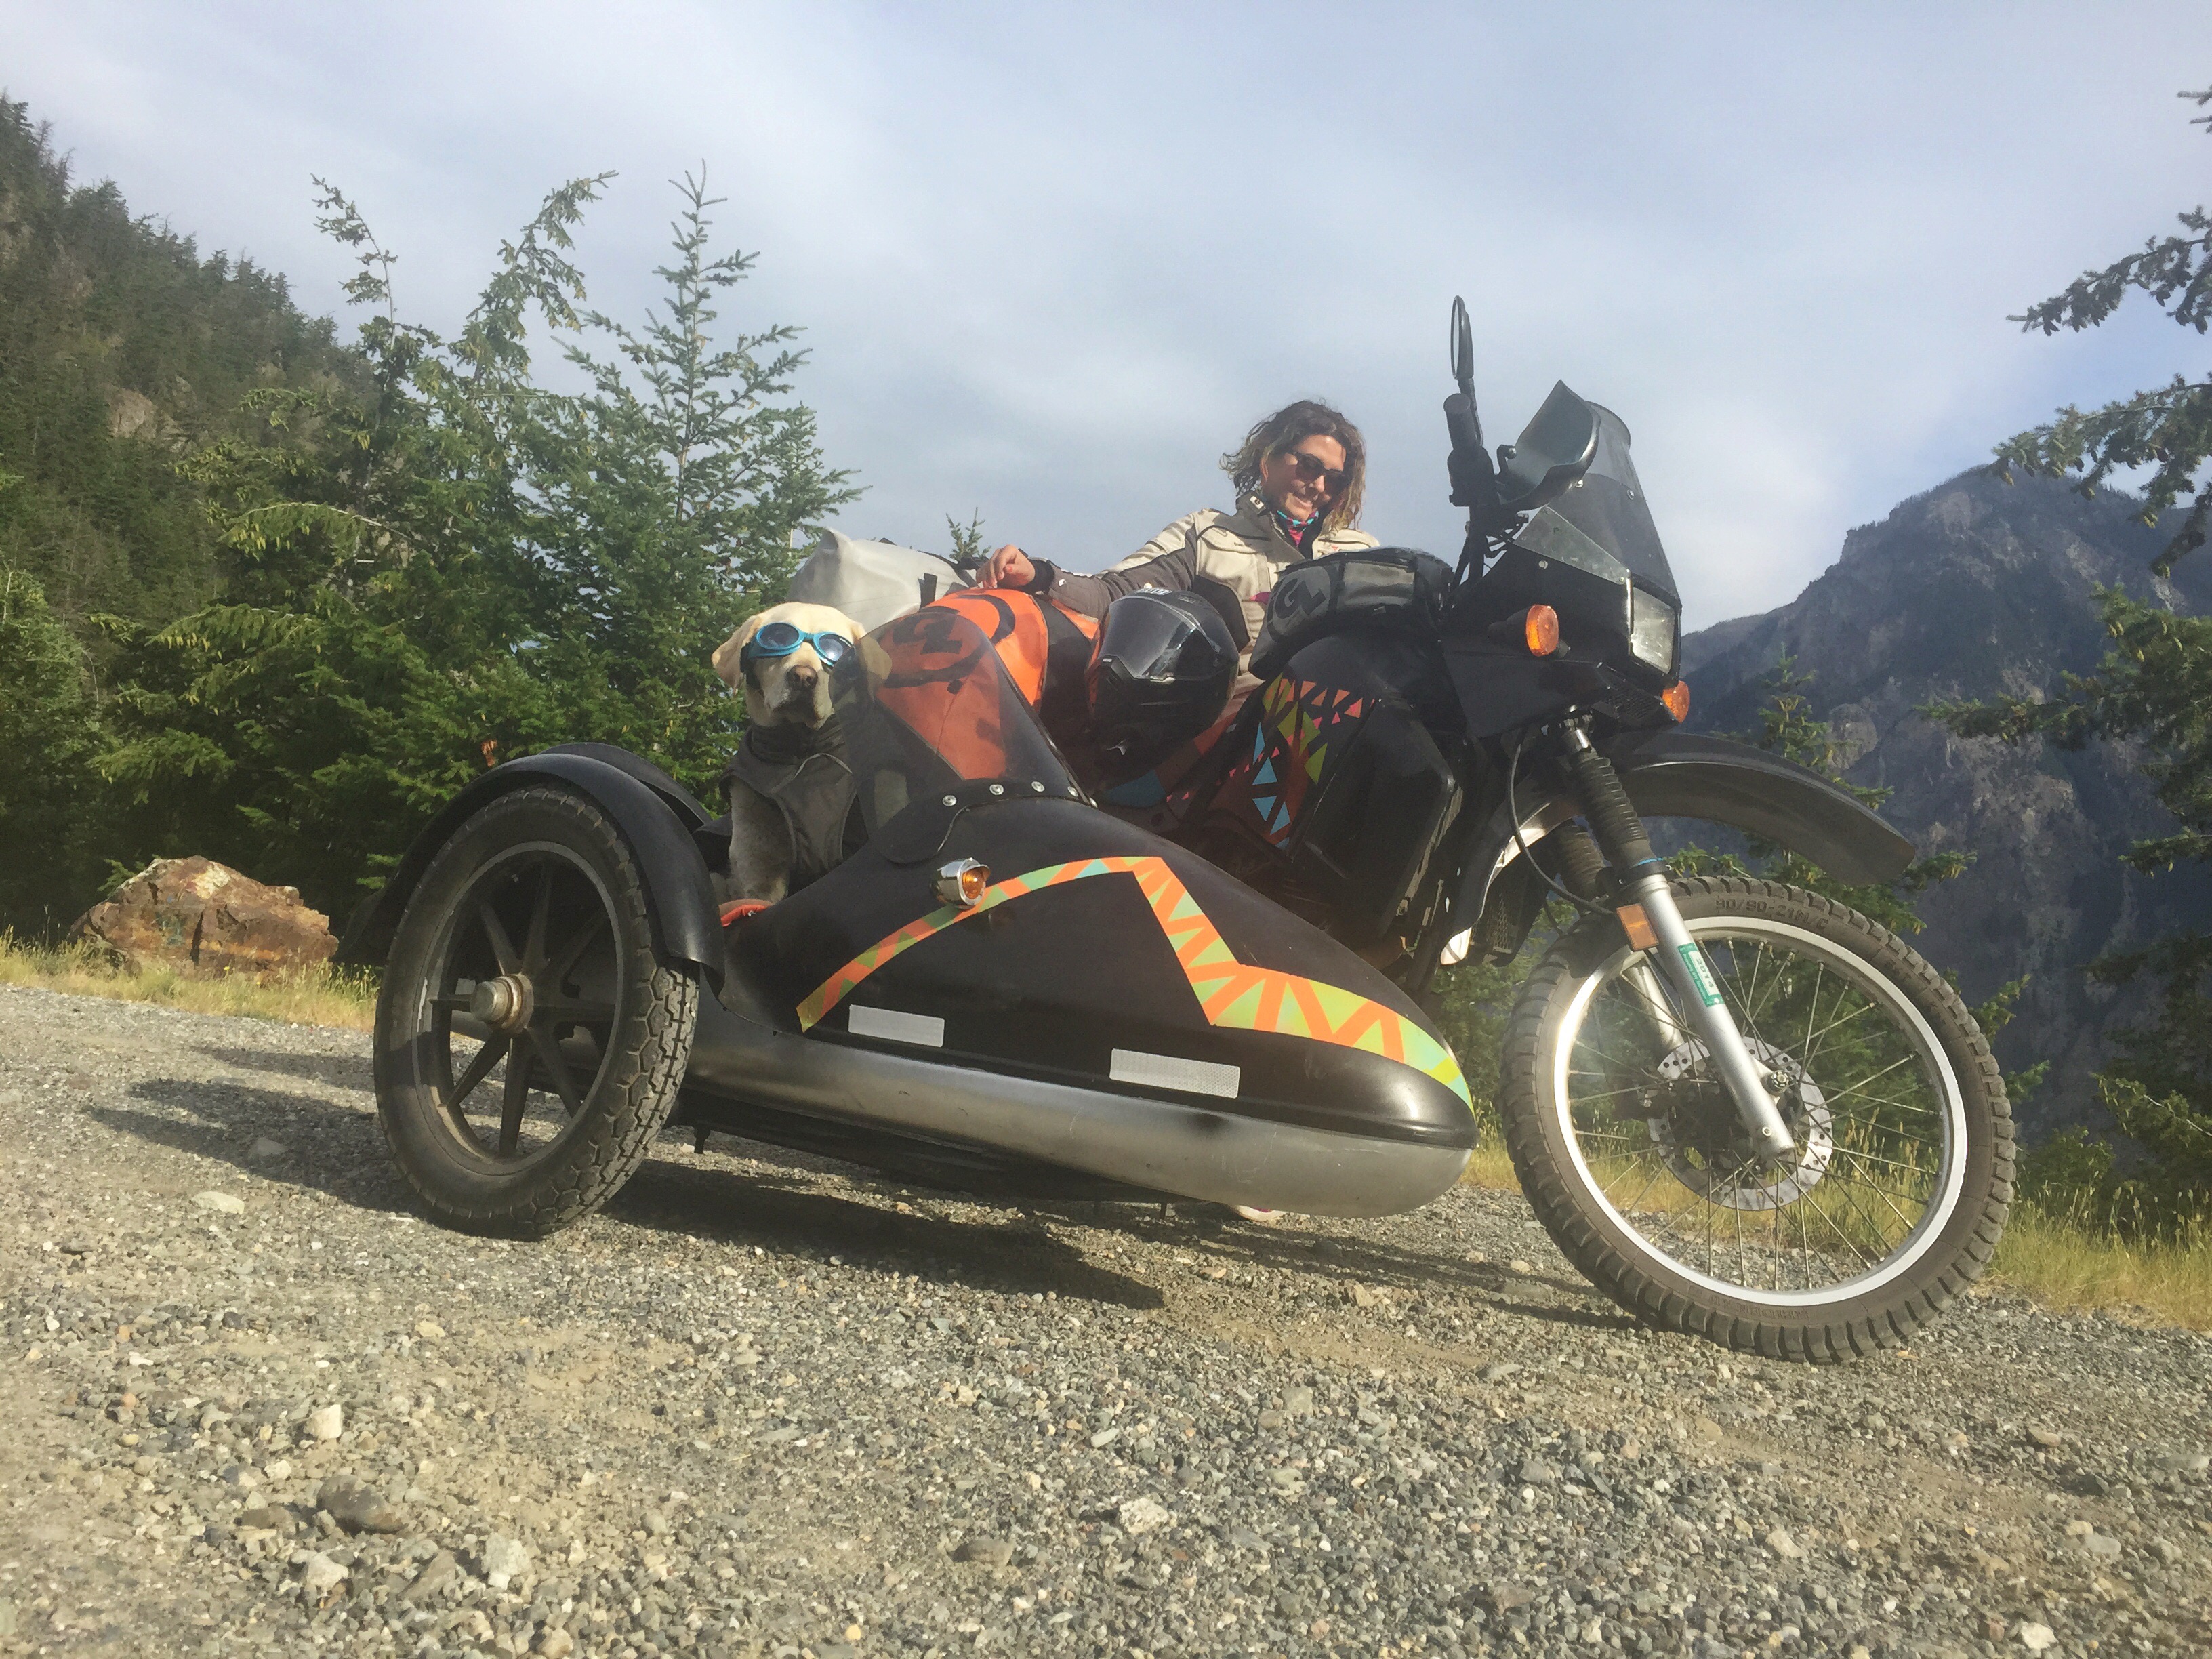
point(1003, 989)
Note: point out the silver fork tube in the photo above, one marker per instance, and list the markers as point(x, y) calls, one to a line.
point(1657, 1004)
point(1681, 963)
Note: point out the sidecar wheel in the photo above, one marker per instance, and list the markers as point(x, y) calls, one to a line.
point(1630, 1150)
point(528, 1042)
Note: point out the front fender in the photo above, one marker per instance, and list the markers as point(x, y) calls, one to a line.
point(1673, 774)
point(1681, 774)
point(679, 895)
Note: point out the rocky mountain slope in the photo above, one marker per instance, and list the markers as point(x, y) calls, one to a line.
point(1977, 589)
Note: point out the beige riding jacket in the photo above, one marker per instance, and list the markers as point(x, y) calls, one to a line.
point(1241, 551)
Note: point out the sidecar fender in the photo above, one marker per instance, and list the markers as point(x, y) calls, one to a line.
point(654, 814)
point(1682, 774)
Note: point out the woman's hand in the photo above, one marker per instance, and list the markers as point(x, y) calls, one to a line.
point(1009, 568)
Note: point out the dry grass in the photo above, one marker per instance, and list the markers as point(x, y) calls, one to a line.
point(2053, 1260)
point(2063, 1265)
point(320, 997)
point(1492, 1166)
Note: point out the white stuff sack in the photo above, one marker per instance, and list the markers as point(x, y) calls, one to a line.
point(872, 582)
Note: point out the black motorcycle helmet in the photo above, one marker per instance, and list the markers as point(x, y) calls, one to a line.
point(1162, 674)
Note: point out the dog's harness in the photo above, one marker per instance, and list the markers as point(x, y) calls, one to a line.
point(804, 773)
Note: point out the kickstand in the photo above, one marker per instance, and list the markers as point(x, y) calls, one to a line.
point(698, 1140)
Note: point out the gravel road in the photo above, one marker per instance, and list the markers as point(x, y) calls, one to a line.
point(767, 1406)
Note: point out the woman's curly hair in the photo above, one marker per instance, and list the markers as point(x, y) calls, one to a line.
point(1288, 427)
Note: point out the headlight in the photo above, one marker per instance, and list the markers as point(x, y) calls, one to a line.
point(1651, 630)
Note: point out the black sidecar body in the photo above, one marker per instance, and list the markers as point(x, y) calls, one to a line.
point(1004, 989)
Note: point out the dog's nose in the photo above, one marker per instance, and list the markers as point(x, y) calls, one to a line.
point(803, 675)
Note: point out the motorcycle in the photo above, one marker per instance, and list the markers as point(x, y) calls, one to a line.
point(1741, 1109)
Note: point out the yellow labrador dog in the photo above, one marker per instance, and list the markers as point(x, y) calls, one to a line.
point(789, 789)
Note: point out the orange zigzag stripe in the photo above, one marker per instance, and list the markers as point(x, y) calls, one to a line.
point(1230, 992)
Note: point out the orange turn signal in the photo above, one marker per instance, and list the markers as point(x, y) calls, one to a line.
point(962, 882)
point(1677, 699)
point(1539, 626)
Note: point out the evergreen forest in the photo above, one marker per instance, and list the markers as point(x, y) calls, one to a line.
point(271, 595)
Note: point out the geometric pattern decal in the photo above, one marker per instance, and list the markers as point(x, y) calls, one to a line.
point(1230, 993)
point(1289, 749)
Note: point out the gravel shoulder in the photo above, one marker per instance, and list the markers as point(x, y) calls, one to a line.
point(766, 1405)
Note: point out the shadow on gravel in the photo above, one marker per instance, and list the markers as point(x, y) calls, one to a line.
point(1012, 1258)
point(338, 1070)
point(1350, 1258)
point(334, 1148)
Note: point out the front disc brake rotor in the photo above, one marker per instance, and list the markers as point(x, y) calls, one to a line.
point(1698, 1135)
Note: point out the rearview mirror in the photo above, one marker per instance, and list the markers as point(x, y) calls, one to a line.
point(1556, 449)
point(1462, 348)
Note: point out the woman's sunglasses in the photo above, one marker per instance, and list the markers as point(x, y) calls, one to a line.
point(1310, 471)
point(781, 638)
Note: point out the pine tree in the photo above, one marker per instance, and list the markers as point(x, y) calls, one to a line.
point(2154, 689)
point(449, 565)
point(2168, 429)
point(47, 735)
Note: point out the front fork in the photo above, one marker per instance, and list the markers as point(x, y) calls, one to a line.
point(1686, 1001)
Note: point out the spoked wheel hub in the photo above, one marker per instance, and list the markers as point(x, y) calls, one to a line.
point(505, 1004)
point(527, 989)
point(1698, 1132)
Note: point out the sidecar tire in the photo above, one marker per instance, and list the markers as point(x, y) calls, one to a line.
point(634, 1020)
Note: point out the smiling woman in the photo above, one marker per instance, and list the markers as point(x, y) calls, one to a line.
point(1299, 476)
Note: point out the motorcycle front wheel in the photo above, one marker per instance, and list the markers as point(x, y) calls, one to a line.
point(1628, 1145)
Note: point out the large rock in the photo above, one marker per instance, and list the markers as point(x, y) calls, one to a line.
point(205, 919)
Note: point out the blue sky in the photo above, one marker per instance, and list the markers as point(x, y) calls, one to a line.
point(1051, 261)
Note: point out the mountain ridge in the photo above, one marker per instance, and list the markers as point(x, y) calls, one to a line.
point(1977, 589)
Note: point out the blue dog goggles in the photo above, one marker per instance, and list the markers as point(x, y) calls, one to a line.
point(781, 638)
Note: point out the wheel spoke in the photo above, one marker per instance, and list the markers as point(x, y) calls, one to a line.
point(1831, 1025)
point(564, 960)
point(495, 931)
point(478, 1068)
point(513, 1103)
point(533, 948)
point(548, 1051)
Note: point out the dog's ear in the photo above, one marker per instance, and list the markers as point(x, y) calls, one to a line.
point(729, 655)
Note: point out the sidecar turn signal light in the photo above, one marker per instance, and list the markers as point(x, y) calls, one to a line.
point(1539, 626)
point(1677, 699)
point(962, 882)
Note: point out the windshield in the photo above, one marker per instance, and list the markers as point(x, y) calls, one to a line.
point(925, 704)
point(1602, 523)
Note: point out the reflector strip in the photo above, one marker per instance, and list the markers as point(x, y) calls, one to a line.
point(1193, 1077)
point(926, 1030)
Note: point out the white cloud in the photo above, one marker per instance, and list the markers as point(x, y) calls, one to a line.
point(1052, 261)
